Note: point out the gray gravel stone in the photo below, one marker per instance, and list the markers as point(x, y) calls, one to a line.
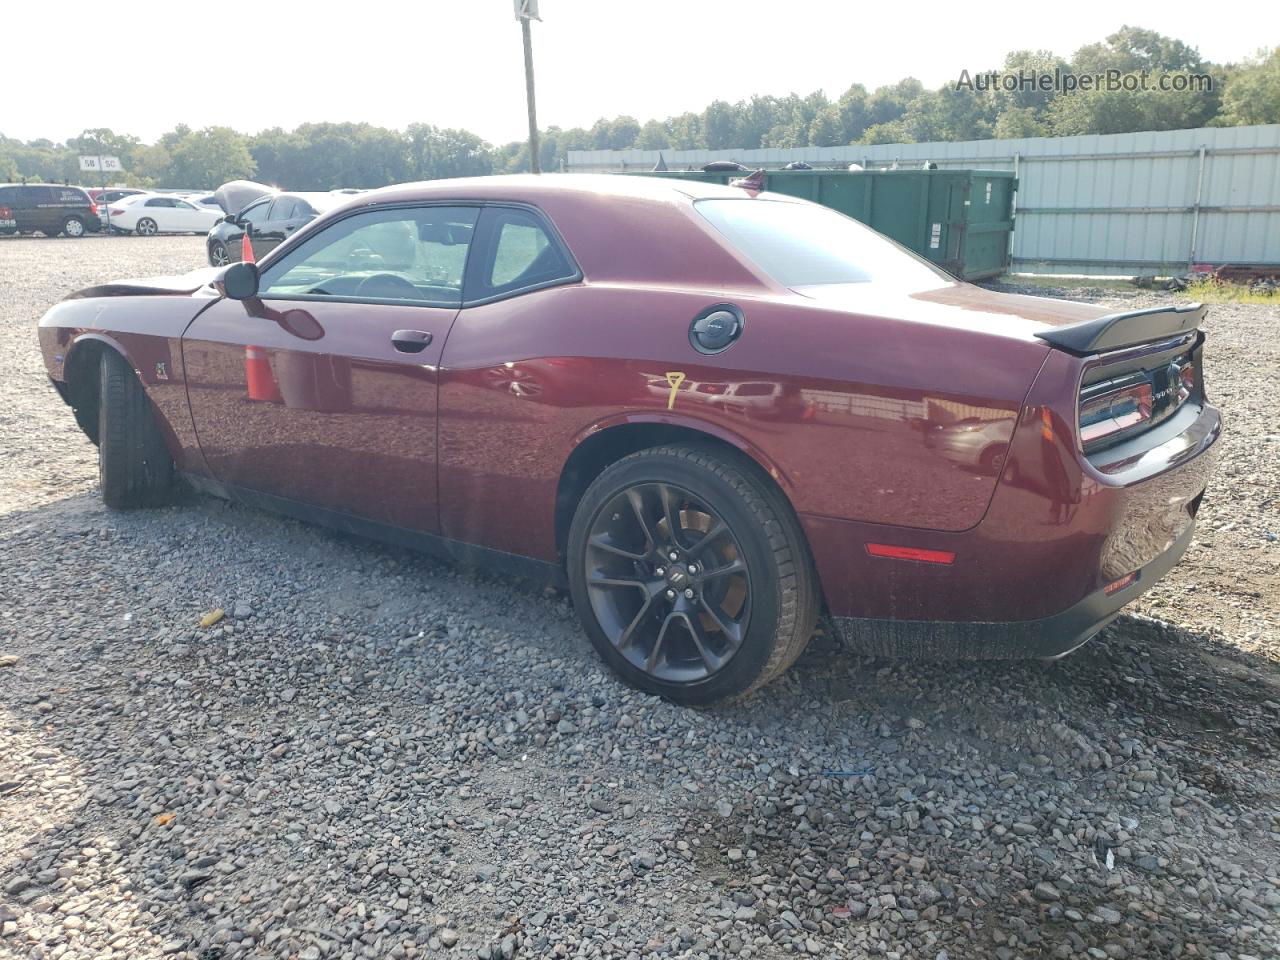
point(376, 753)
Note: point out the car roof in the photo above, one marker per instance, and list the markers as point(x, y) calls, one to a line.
point(320, 202)
point(619, 228)
point(524, 186)
point(60, 186)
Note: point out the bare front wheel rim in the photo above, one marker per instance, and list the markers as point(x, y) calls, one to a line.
point(668, 582)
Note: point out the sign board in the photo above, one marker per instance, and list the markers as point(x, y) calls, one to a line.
point(105, 164)
point(527, 10)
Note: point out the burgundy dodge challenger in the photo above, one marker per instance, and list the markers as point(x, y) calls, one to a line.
point(714, 413)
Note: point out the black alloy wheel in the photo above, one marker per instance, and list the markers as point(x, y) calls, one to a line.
point(667, 582)
point(691, 574)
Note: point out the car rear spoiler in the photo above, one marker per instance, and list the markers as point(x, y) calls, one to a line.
point(1130, 328)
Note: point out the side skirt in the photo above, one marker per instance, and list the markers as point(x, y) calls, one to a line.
point(463, 554)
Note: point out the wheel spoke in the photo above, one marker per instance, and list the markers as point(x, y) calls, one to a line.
point(637, 507)
point(673, 520)
point(652, 662)
point(618, 582)
point(736, 566)
point(600, 543)
point(700, 641)
point(731, 628)
point(719, 529)
point(624, 638)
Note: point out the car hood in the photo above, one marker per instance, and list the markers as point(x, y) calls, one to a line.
point(956, 305)
point(235, 195)
point(182, 285)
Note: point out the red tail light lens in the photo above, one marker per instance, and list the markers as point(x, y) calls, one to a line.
point(1112, 412)
point(1187, 378)
point(93, 208)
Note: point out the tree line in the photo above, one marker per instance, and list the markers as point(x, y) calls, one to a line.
point(321, 156)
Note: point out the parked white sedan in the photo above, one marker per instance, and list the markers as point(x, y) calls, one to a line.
point(150, 213)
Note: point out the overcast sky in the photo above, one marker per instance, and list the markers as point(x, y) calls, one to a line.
point(458, 63)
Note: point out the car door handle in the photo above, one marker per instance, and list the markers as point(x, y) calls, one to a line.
point(410, 341)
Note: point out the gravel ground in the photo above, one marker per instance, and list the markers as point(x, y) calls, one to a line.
point(375, 755)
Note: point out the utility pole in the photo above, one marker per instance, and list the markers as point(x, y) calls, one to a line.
point(527, 10)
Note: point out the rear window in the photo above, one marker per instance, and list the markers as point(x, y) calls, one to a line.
point(803, 244)
point(283, 209)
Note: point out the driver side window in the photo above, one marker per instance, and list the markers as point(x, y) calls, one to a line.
point(404, 255)
point(257, 213)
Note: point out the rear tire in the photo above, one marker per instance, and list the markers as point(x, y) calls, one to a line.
point(218, 256)
point(147, 227)
point(73, 227)
point(134, 465)
point(737, 631)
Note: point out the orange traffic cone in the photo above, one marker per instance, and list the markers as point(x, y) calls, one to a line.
point(257, 375)
point(246, 248)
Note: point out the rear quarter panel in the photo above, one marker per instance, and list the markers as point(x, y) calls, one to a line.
point(832, 405)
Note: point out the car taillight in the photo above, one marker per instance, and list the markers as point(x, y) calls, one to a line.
point(1187, 378)
point(5, 213)
point(1114, 411)
point(93, 208)
point(117, 213)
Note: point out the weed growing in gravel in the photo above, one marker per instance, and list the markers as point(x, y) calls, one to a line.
point(1217, 291)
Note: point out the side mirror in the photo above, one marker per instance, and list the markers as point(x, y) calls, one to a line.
point(240, 281)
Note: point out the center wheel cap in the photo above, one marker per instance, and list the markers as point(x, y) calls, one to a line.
point(678, 576)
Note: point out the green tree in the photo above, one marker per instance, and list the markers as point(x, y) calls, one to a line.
point(653, 136)
point(1252, 91)
point(719, 126)
point(687, 132)
point(1016, 122)
point(826, 129)
point(437, 153)
point(616, 134)
point(1030, 64)
point(1131, 49)
point(206, 158)
point(855, 113)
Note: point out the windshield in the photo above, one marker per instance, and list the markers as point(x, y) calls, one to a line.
point(804, 244)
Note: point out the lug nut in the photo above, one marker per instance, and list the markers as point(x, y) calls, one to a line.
point(693, 568)
point(661, 571)
point(671, 594)
point(673, 556)
point(688, 594)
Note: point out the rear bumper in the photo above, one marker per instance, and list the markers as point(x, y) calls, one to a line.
point(1030, 578)
point(1049, 636)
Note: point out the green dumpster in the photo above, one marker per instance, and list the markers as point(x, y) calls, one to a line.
point(961, 220)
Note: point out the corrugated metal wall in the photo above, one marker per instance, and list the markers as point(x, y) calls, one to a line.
point(1127, 203)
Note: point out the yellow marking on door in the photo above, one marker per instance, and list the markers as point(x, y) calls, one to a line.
point(675, 378)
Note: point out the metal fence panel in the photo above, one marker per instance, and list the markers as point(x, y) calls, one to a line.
point(1128, 203)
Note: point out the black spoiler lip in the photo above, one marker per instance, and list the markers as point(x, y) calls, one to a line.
point(1126, 329)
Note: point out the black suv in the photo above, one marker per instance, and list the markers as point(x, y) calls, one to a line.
point(49, 208)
